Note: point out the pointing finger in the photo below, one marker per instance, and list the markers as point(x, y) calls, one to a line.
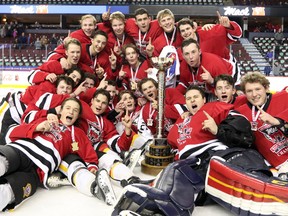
point(207, 115)
point(109, 10)
point(218, 14)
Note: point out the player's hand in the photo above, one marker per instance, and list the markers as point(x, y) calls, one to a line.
point(106, 15)
point(103, 83)
point(122, 74)
point(267, 118)
point(206, 76)
point(209, 124)
point(223, 20)
point(112, 60)
point(207, 27)
point(149, 48)
point(52, 77)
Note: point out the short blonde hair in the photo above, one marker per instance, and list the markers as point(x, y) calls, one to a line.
point(88, 16)
point(117, 15)
point(163, 13)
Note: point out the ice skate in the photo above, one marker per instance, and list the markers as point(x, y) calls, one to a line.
point(102, 188)
point(56, 180)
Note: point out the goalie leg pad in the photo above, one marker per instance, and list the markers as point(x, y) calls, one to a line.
point(245, 193)
point(146, 200)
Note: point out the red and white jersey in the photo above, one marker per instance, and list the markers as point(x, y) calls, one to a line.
point(39, 74)
point(187, 135)
point(100, 130)
point(48, 149)
point(214, 64)
point(270, 140)
point(142, 39)
point(134, 75)
point(217, 39)
point(93, 62)
point(40, 107)
point(163, 40)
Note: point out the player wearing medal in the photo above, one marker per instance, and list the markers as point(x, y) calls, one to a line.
point(141, 29)
point(268, 114)
point(36, 150)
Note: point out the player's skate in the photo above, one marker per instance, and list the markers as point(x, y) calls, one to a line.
point(134, 180)
point(132, 158)
point(57, 179)
point(102, 188)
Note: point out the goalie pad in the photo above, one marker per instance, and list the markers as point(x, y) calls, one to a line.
point(173, 193)
point(245, 192)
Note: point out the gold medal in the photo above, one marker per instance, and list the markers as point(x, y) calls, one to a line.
point(150, 122)
point(75, 146)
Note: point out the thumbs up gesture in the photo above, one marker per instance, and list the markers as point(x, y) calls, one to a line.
point(209, 124)
point(206, 76)
point(149, 48)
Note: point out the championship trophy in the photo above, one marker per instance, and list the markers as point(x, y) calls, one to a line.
point(159, 155)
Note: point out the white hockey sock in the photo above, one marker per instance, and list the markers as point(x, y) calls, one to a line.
point(3, 165)
point(80, 177)
point(119, 171)
point(6, 194)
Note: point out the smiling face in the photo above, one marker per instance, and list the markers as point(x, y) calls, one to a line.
point(186, 31)
point(69, 112)
point(99, 104)
point(118, 26)
point(194, 100)
point(191, 54)
point(167, 22)
point(149, 90)
point(98, 43)
point(88, 25)
point(224, 91)
point(256, 93)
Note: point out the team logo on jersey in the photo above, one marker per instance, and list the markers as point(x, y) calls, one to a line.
point(94, 132)
point(184, 130)
point(276, 137)
point(27, 190)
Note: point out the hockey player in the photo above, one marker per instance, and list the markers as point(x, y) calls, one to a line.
point(225, 90)
point(131, 73)
point(216, 40)
point(267, 114)
point(142, 28)
point(37, 149)
point(200, 68)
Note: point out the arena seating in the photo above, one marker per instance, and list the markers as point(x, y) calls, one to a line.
point(264, 44)
point(260, 2)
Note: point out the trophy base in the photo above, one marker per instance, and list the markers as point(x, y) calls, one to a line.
point(160, 141)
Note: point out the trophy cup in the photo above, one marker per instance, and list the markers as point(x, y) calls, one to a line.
point(162, 64)
point(159, 155)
